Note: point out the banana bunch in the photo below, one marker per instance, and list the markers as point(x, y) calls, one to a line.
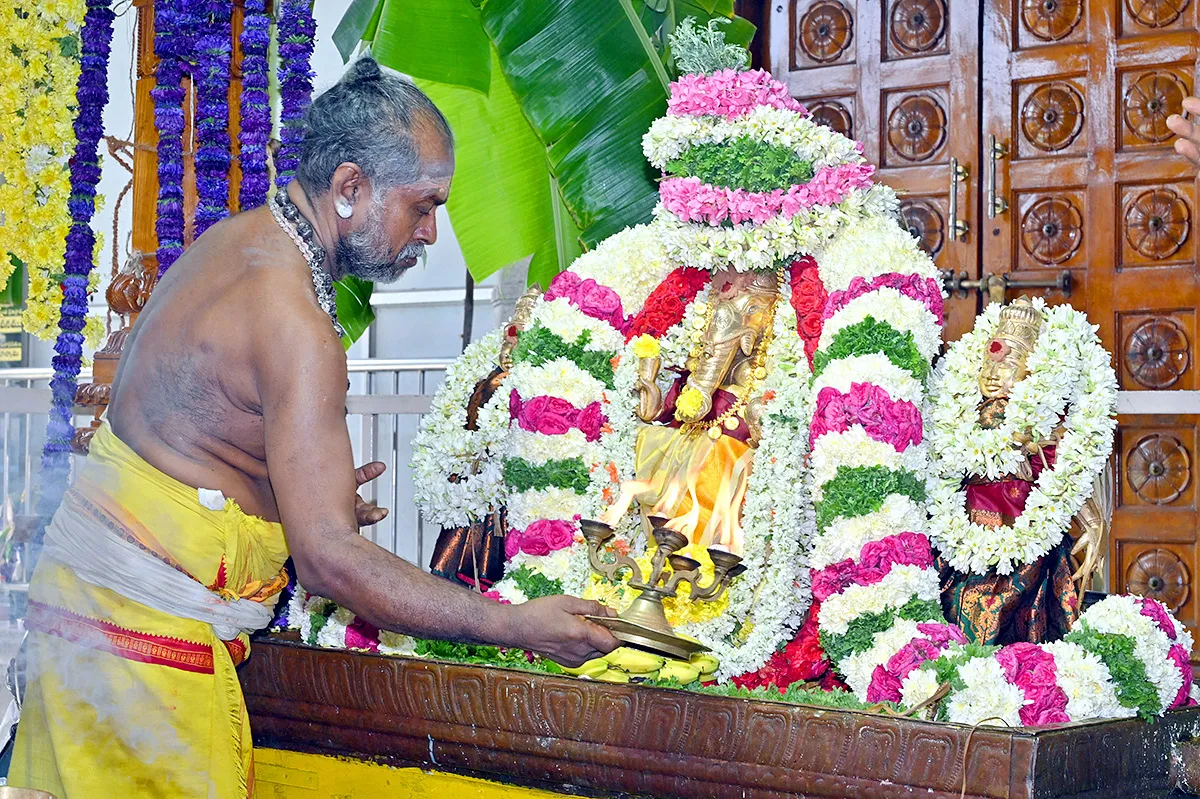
point(624, 664)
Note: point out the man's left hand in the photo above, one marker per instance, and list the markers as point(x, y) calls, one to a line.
point(368, 513)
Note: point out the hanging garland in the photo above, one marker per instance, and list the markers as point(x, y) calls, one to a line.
point(171, 47)
point(211, 82)
point(296, 32)
point(91, 96)
point(255, 130)
point(39, 70)
point(1069, 378)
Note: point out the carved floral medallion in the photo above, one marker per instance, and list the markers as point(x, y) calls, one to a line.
point(1052, 230)
point(1157, 223)
point(1159, 574)
point(917, 25)
point(1157, 353)
point(1150, 100)
point(826, 30)
point(917, 127)
point(1158, 468)
point(833, 115)
point(1052, 116)
point(1051, 20)
point(925, 224)
point(1156, 13)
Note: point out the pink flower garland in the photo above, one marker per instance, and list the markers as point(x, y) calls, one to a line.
point(729, 93)
point(1033, 670)
point(887, 679)
point(692, 200)
point(895, 422)
point(924, 290)
point(554, 416)
point(874, 563)
point(540, 538)
point(1155, 611)
point(1180, 657)
point(592, 299)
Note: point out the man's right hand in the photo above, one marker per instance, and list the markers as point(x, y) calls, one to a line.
point(553, 626)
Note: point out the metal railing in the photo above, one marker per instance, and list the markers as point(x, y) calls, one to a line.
point(383, 411)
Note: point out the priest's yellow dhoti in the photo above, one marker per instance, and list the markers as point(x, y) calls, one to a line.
point(124, 699)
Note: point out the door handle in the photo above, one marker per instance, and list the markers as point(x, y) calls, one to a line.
point(995, 203)
point(958, 174)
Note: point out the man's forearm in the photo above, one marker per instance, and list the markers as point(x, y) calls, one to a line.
point(392, 594)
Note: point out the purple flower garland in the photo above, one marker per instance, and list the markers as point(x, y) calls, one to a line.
point(297, 28)
point(214, 47)
point(255, 125)
point(171, 34)
point(91, 96)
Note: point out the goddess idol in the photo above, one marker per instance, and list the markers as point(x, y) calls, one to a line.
point(1022, 428)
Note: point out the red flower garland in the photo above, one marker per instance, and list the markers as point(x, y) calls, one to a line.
point(808, 300)
point(665, 306)
point(800, 660)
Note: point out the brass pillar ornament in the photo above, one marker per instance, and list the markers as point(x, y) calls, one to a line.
point(644, 624)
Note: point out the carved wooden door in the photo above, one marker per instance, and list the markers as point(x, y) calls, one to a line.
point(1078, 92)
point(901, 76)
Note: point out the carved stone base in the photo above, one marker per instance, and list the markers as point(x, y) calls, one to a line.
point(581, 736)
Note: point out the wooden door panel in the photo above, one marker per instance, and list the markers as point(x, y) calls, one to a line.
point(900, 76)
point(1079, 93)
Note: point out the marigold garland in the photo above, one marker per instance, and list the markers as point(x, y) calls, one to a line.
point(39, 71)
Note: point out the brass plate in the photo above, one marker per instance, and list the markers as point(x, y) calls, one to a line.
point(641, 637)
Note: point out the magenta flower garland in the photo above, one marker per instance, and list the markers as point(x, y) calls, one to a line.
point(296, 31)
point(211, 79)
point(91, 96)
point(255, 130)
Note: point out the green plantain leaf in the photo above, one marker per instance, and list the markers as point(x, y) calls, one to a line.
point(590, 83)
point(500, 201)
point(353, 297)
point(440, 40)
point(356, 25)
point(13, 292)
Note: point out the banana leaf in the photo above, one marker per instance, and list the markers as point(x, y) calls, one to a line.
point(549, 127)
point(353, 298)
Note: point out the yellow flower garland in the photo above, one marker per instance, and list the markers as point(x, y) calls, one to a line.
point(39, 69)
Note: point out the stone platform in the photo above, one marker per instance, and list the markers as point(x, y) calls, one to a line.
point(583, 737)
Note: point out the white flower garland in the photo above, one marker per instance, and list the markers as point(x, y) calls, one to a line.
point(670, 136)
point(988, 696)
point(748, 247)
point(444, 447)
point(632, 263)
point(873, 246)
point(1068, 372)
point(875, 368)
point(1122, 615)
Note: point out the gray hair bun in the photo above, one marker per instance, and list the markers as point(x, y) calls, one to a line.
point(363, 69)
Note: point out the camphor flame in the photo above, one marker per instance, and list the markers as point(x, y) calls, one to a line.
point(629, 490)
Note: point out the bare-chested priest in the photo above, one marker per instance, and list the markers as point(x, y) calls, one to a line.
point(224, 451)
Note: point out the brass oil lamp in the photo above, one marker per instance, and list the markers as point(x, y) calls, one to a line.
point(644, 623)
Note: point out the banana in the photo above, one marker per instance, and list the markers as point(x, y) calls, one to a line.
point(634, 661)
point(678, 670)
point(612, 675)
point(592, 668)
point(707, 663)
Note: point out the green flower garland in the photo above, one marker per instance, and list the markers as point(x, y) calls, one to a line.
point(870, 336)
point(534, 584)
point(572, 473)
point(859, 490)
point(1128, 672)
point(539, 345)
point(744, 163)
point(860, 634)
